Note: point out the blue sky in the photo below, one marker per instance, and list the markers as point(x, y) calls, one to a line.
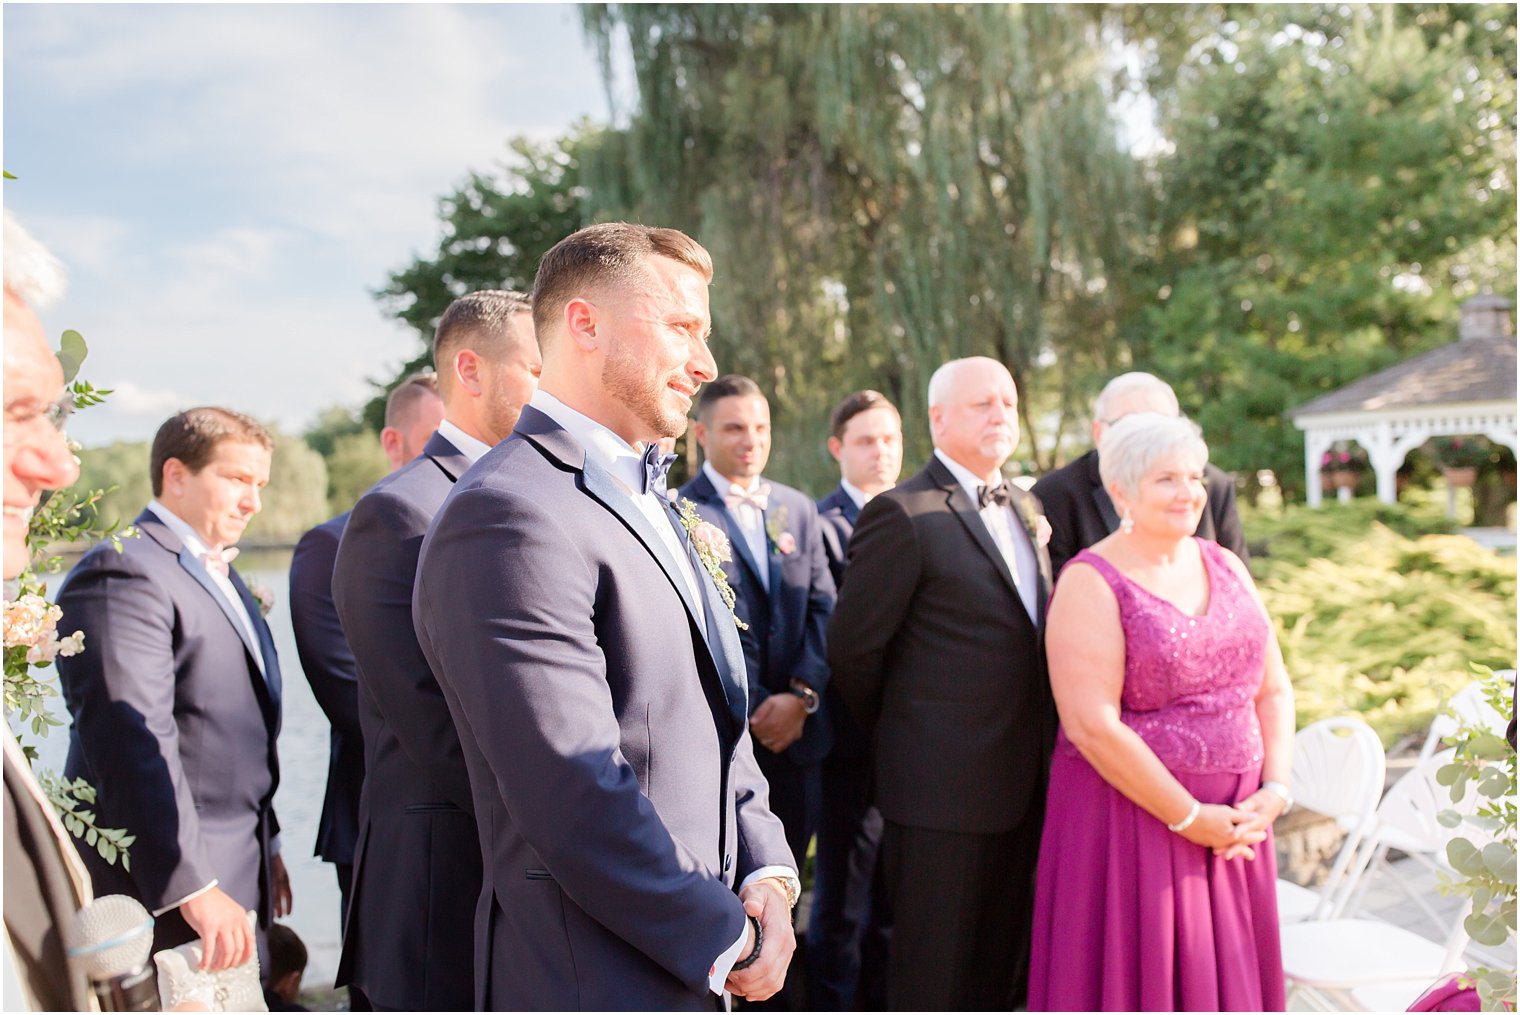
point(226, 184)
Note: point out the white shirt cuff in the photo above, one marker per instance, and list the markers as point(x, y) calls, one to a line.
point(725, 962)
point(195, 894)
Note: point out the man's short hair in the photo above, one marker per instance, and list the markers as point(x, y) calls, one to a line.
point(607, 253)
point(401, 403)
point(854, 405)
point(34, 275)
point(287, 952)
point(193, 435)
point(478, 320)
point(1125, 384)
point(727, 386)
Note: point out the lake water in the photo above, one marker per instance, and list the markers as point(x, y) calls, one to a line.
point(303, 775)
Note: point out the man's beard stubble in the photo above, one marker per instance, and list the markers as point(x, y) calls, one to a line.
point(623, 378)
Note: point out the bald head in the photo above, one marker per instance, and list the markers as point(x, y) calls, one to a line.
point(1136, 391)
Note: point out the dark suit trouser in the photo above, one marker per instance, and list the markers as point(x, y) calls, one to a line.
point(849, 927)
point(962, 905)
point(794, 798)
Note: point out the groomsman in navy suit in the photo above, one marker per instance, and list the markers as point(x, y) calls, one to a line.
point(592, 664)
point(412, 412)
point(784, 595)
point(176, 699)
point(407, 944)
point(848, 933)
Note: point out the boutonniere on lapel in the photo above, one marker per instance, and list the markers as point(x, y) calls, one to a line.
point(782, 541)
point(1035, 522)
point(712, 550)
point(263, 595)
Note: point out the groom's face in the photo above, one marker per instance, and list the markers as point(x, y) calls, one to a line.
point(221, 499)
point(657, 356)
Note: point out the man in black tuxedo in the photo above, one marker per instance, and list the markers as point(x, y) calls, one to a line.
point(1080, 510)
point(935, 647)
point(847, 935)
point(176, 703)
point(784, 595)
point(409, 941)
point(412, 412)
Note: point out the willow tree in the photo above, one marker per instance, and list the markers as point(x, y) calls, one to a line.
point(882, 188)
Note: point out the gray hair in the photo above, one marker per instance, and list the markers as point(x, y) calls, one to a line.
point(33, 274)
point(1134, 382)
point(1135, 443)
point(943, 379)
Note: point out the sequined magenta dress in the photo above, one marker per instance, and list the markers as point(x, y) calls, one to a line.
point(1128, 915)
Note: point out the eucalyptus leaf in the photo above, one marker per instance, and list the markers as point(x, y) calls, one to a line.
point(1464, 858)
point(1499, 858)
point(1486, 929)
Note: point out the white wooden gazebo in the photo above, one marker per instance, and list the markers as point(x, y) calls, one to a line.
point(1461, 389)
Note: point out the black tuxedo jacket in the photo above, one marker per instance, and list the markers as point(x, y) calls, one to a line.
point(838, 513)
point(174, 723)
point(408, 941)
point(1081, 512)
point(787, 622)
point(938, 660)
point(329, 666)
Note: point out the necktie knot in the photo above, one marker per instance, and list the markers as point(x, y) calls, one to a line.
point(220, 561)
point(997, 493)
point(759, 498)
point(656, 467)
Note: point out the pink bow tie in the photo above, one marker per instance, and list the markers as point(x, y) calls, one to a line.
point(737, 495)
point(220, 561)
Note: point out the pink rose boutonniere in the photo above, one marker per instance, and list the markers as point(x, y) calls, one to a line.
point(1035, 522)
point(264, 596)
point(775, 528)
point(712, 548)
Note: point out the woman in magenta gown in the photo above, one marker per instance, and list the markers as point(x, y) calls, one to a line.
point(1156, 880)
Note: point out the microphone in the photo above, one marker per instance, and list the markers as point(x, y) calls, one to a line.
point(111, 939)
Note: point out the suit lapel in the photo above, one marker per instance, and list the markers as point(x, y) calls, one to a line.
point(960, 505)
point(1100, 497)
point(446, 456)
point(706, 493)
point(267, 651)
point(722, 634)
point(599, 484)
point(1025, 501)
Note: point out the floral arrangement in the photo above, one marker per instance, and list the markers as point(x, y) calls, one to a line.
point(31, 640)
point(712, 550)
point(782, 541)
point(1462, 452)
point(1342, 459)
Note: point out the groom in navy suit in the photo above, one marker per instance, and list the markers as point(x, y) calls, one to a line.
point(176, 700)
point(407, 944)
point(848, 933)
point(593, 666)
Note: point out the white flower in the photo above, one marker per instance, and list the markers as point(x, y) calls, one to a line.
point(264, 595)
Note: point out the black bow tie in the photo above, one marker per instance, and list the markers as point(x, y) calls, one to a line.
point(656, 466)
point(997, 493)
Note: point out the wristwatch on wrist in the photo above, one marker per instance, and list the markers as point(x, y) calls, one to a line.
point(807, 694)
point(1278, 788)
point(790, 887)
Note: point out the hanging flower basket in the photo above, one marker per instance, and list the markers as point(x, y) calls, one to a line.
point(1462, 452)
point(1460, 475)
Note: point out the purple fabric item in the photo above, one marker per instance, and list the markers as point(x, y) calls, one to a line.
point(1128, 915)
point(1448, 994)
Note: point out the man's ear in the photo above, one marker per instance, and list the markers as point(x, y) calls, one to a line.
point(581, 324)
point(836, 447)
point(467, 370)
point(391, 442)
point(699, 431)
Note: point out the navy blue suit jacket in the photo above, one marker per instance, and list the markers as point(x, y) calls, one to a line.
point(838, 513)
point(606, 730)
point(407, 943)
point(174, 723)
point(328, 664)
point(788, 622)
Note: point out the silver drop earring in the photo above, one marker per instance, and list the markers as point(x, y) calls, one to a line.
point(1127, 523)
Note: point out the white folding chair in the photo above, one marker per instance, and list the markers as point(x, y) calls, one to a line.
point(1467, 706)
point(1338, 770)
point(1335, 958)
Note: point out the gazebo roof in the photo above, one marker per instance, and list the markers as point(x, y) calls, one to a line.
point(1465, 371)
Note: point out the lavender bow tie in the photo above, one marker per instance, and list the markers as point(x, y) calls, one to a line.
point(220, 561)
point(759, 499)
point(656, 466)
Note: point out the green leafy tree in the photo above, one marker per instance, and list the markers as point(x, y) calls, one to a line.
point(356, 464)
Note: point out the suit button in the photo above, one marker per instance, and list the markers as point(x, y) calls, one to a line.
point(728, 863)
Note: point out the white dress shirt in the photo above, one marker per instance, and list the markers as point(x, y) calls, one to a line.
point(626, 465)
point(197, 546)
point(750, 519)
point(471, 447)
point(855, 493)
point(1008, 533)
